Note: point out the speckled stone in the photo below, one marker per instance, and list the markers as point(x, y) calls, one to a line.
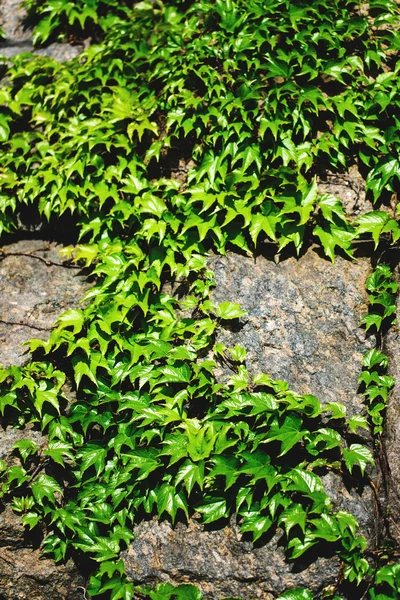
point(303, 320)
point(220, 562)
point(25, 574)
point(392, 430)
point(33, 294)
point(19, 39)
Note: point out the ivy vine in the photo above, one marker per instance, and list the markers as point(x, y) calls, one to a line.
point(192, 127)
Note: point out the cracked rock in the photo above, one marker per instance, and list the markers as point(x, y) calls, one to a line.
point(33, 294)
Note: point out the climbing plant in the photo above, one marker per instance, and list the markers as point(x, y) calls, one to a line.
point(193, 127)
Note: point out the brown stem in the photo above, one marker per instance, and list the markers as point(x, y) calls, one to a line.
point(46, 261)
point(25, 325)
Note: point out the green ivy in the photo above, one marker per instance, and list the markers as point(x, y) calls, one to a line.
point(191, 127)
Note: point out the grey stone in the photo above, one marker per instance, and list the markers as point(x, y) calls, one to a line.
point(349, 188)
point(221, 563)
point(303, 327)
point(303, 321)
point(392, 433)
point(24, 573)
point(35, 288)
point(18, 38)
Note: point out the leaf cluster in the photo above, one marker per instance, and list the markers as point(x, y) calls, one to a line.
point(191, 126)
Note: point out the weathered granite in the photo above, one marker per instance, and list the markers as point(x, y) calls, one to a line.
point(349, 188)
point(303, 320)
point(392, 430)
point(18, 38)
point(35, 288)
point(25, 574)
point(221, 562)
point(302, 326)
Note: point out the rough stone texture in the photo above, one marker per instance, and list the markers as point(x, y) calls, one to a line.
point(349, 188)
point(33, 294)
point(303, 321)
point(9, 436)
point(220, 562)
point(392, 433)
point(18, 39)
point(25, 574)
point(302, 326)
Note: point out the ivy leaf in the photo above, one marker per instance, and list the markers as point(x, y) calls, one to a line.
point(334, 236)
point(59, 451)
point(257, 464)
point(170, 501)
point(26, 448)
point(71, 318)
point(45, 487)
point(260, 223)
point(153, 205)
point(372, 320)
point(31, 519)
point(357, 421)
point(213, 511)
point(191, 473)
point(337, 409)
point(389, 574)
point(175, 374)
point(229, 310)
point(293, 516)
point(9, 399)
point(227, 467)
point(296, 594)
point(288, 433)
point(331, 207)
point(4, 129)
point(257, 524)
point(374, 358)
point(304, 481)
point(42, 396)
point(373, 223)
point(91, 455)
point(357, 455)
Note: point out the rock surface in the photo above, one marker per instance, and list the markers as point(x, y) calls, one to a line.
point(302, 326)
point(392, 433)
point(220, 562)
point(303, 321)
point(33, 293)
point(35, 288)
point(19, 39)
point(24, 574)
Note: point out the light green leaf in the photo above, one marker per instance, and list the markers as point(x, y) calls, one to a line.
point(296, 594)
point(213, 511)
point(45, 488)
point(229, 310)
point(357, 455)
